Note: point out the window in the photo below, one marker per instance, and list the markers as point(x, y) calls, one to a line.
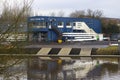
point(68, 24)
point(60, 24)
point(39, 25)
point(74, 24)
point(79, 31)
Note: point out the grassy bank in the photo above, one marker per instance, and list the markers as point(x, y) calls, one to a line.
point(18, 51)
point(111, 50)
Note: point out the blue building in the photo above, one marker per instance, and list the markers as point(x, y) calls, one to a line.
point(46, 28)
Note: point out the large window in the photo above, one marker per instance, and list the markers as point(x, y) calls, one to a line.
point(38, 24)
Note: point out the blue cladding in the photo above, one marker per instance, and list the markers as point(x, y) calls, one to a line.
point(95, 24)
point(52, 36)
point(39, 30)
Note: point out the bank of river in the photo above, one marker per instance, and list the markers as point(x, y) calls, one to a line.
point(33, 49)
point(110, 50)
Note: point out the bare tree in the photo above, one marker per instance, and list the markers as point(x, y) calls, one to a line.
point(94, 14)
point(78, 14)
point(98, 13)
point(53, 14)
point(60, 14)
point(89, 13)
point(12, 17)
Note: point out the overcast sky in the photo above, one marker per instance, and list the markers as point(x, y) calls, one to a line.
point(110, 8)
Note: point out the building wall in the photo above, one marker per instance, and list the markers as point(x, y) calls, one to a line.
point(56, 21)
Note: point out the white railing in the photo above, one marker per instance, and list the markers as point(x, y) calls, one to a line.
point(80, 36)
point(83, 26)
point(13, 37)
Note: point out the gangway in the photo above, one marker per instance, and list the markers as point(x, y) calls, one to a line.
point(80, 36)
point(81, 32)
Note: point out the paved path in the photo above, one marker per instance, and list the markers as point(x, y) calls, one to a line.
point(90, 44)
point(68, 49)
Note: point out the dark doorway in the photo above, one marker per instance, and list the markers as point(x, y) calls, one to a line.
point(40, 36)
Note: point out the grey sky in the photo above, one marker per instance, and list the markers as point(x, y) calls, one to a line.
point(110, 8)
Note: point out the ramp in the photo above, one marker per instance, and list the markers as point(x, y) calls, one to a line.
point(86, 52)
point(65, 53)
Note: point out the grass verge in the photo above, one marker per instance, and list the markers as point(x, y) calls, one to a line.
point(111, 50)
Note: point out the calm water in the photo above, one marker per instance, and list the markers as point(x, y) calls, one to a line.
point(36, 69)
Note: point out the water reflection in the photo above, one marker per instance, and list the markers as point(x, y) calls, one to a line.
point(43, 70)
point(36, 69)
point(12, 68)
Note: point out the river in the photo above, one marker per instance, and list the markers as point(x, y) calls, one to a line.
point(37, 69)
